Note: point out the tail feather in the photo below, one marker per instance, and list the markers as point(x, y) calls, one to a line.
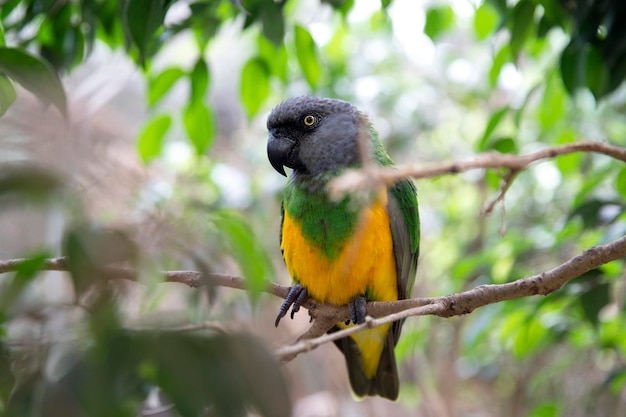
point(385, 383)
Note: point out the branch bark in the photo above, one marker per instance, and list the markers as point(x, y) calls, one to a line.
point(372, 177)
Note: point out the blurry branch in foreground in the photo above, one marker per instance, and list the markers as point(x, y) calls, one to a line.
point(326, 316)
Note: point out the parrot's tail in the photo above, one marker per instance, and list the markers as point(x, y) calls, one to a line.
point(385, 382)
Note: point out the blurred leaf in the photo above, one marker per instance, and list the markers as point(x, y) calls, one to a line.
point(504, 145)
point(2, 40)
point(272, 20)
point(199, 125)
point(19, 183)
point(227, 372)
point(273, 56)
point(502, 57)
point(91, 251)
point(7, 381)
point(199, 80)
point(523, 22)
point(438, 21)
point(546, 410)
point(142, 19)
point(529, 337)
point(620, 182)
point(553, 107)
point(7, 94)
point(486, 20)
point(494, 121)
point(589, 212)
point(597, 74)
point(306, 51)
point(150, 143)
point(594, 300)
point(246, 249)
point(254, 87)
point(24, 274)
point(572, 67)
point(162, 83)
point(35, 75)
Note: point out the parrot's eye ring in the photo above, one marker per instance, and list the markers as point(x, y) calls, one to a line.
point(309, 120)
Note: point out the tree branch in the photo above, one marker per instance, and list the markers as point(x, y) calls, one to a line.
point(373, 177)
point(467, 301)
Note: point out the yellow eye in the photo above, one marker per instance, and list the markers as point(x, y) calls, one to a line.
point(309, 120)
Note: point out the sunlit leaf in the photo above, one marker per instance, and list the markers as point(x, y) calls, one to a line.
point(200, 126)
point(486, 20)
point(502, 57)
point(246, 249)
point(620, 182)
point(306, 52)
point(7, 94)
point(160, 85)
point(493, 122)
point(546, 410)
point(200, 80)
point(150, 142)
point(254, 86)
point(438, 21)
point(35, 75)
point(553, 106)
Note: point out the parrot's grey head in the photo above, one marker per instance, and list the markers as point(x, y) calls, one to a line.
point(312, 135)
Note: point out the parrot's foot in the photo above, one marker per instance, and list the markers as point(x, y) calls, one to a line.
point(357, 310)
point(296, 296)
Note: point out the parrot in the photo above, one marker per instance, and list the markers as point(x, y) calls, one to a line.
point(350, 250)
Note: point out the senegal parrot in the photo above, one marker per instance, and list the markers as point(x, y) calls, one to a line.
point(348, 251)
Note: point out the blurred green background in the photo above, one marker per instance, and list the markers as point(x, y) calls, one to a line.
point(133, 133)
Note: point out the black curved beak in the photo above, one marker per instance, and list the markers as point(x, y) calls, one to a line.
point(279, 151)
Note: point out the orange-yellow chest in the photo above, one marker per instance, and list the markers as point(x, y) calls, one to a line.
point(364, 265)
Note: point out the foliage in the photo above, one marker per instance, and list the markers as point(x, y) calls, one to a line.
point(502, 76)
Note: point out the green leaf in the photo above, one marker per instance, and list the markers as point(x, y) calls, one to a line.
point(271, 14)
point(245, 249)
point(493, 122)
point(35, 75)
point(24, 274)
point(523, 22)
point(597, 73)
point(620, 182)
point(274, 57)
point(486, 20)
point(594, 300)
point(162, 83)
point(7, 94)
point(142, 19)
point(91, 251)
point(150, 143)
point(199, 80)
point(199, 125)
point(2, 39)
point(553, 106)
point(573, 67)
point(306, 51)
point(254, 86)
point(438, 21)
point(546, 410)
point(504, 145)
point(502, 57)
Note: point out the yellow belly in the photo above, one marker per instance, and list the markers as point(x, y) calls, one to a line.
point(365, 265)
